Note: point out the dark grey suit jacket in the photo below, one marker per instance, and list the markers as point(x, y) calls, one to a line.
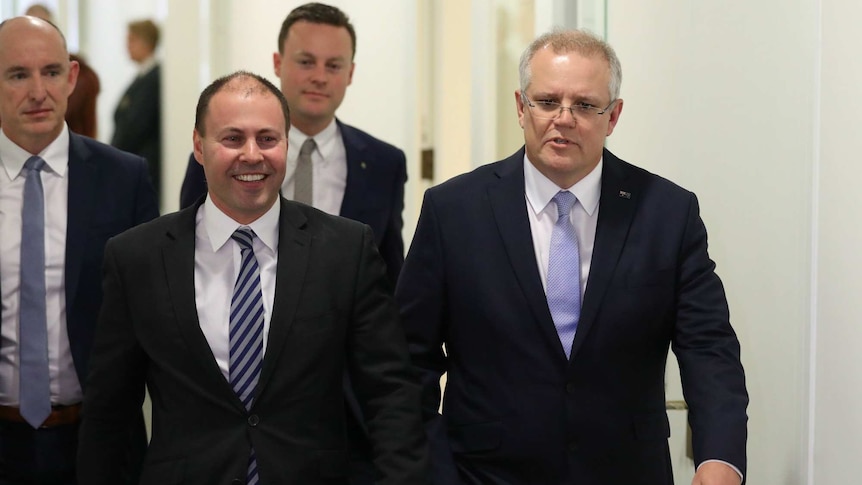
point(332, 311)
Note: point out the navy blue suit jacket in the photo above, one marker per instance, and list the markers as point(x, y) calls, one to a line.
point(109, 192)
point(374, 194)
point(515, 410)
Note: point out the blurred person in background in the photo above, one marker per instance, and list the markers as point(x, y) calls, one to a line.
point(137, 119)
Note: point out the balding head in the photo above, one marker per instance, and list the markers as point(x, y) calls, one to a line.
point(36, 78)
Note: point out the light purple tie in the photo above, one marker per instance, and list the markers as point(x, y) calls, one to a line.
point(564, 273)
point(35, 384)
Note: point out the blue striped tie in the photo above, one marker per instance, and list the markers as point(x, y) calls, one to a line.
point(35, 384)
point(246, 330)
point(564, 273)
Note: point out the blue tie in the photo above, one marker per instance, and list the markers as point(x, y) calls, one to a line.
point(564, 273)
point(35, 386)
point(246, 330)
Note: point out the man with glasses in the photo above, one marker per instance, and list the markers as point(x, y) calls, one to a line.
point(557, 279)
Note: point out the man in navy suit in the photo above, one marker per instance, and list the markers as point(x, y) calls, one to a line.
point(91, 192)
point(557, 279)
point(355, 175)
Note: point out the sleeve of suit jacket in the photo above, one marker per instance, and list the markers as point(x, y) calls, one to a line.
point(421, 297)
point(392, 245)
point(380, 371)
point(708, 353)
point(115, 390)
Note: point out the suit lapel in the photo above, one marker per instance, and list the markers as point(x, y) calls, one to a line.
point(509, 208)
point(617, 205)
point(294, 245)
point(355, 188)
point(178, 254)
point(83, 176)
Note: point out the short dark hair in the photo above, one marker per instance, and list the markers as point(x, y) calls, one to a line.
point(316, 13)
point(220, 83)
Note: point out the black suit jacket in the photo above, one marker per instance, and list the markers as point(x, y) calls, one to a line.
point(515, 410)
point(137, 122)
point(109, 192)
point(374, 193)
point(332, 311)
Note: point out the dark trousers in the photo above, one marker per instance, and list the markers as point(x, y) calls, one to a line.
point(43, 456)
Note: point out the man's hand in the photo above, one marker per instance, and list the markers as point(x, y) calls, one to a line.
point(715, 473)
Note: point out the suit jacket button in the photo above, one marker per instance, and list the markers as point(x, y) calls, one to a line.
point(236, 481)
point(570, 388)
point(573, 446)
point(253, 420)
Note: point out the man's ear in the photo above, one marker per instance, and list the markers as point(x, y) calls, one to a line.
point(197, 143)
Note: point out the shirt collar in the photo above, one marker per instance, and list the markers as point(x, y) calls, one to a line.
point(540, 190)
point(219, 226)
point(56, 155)
point(325, 140)
point(146, 65)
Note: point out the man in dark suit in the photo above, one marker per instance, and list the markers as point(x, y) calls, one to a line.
point(137, 119)
point(248, 395)
point(557, 279)
point(354, 174)
point(89, 193)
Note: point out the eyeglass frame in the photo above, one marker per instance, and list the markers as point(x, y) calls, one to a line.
point(571, 109)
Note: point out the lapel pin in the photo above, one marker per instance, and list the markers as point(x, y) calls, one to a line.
point(625, 195)
point(362, 164)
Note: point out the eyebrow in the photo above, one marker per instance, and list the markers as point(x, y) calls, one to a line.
point(15, 69)
point(328, 59)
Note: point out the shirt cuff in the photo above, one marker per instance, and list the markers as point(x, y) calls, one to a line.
point(726, 463)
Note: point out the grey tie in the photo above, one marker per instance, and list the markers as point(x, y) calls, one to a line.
point(34, 381)
point(302, 189)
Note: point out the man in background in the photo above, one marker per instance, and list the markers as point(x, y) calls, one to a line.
point(62, 196)
point(332, 166)
point(137, 119)
point(247, 386)
point(557, 279)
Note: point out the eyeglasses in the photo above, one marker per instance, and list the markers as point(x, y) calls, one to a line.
point(551, 110)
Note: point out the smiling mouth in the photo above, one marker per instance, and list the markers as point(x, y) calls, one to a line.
point(250, 177)
point(561, 141)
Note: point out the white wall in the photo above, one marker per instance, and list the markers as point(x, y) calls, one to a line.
point(838, 386)
point(720, 98)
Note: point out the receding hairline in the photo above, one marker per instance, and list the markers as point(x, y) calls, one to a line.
point(35, 22)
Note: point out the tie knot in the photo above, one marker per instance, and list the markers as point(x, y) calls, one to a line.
point(307, 147)
point(34, 163)
point(244, 236)
point(565, 201)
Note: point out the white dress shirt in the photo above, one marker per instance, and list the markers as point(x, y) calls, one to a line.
point(328, 167)
point(217, 263)
point(65, 388)
point(542, 212)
